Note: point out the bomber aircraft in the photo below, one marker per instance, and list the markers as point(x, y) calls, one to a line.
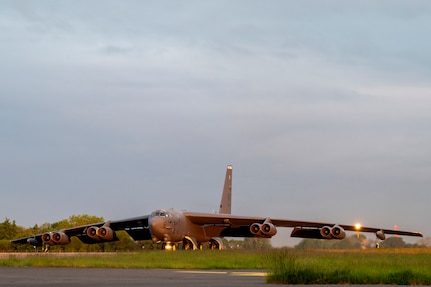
point(171, 227)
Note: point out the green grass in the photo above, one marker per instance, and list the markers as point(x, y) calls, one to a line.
point(391, 266)
point(207, 259)
point(287, 266)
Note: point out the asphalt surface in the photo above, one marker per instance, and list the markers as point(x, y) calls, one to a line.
point(33, 276)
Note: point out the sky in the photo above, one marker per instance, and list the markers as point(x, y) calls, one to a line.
point(118, 108)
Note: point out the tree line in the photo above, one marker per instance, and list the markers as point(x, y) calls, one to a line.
point(360, 241)
point(10, 230)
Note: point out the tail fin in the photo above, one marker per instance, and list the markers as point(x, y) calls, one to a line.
point(226, 199)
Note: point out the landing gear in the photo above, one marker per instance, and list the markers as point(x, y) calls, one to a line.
point(380, 235)
point(378, 243)
point(216, 244)
point(187, 244)
point(213, 246)
point(190, 243)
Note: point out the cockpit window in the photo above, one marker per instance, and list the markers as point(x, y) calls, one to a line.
point(160, 213)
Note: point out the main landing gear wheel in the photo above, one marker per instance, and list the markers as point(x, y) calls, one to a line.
point(215, 244)
point(187, 244)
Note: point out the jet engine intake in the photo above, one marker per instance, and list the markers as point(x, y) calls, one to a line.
point(338, 232)
point(265, 230)
point(47, 238)
point(255, 228)
point(325, 231)
point(60, 238)
point(106, 233)
point(92, 232)
point(268, 229)
point(334, 232)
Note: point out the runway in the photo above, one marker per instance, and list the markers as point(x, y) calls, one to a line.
point(106, 277)
point(33, 276)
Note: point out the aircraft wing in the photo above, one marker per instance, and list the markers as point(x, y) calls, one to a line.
point(136, 227)
point(304, 229)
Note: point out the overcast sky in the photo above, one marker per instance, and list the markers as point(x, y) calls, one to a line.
point(118, 108)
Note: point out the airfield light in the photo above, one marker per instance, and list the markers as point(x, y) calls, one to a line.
point(357, 227)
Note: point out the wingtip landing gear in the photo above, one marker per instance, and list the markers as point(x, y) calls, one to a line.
point(378, 241)
point(380, 235)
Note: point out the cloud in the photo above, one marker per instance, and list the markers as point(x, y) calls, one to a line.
point(316, 104)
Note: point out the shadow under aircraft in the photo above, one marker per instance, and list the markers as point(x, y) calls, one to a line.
point(171, 227)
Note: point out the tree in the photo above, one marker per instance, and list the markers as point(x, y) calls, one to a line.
point(350, 242)
point(5, 245)
point(252, 243)
point(312, 244)
point(249, 243)
point(8, 229)
point(393, 242)
point(424, 242)
point(76, 244)
point(76, 220)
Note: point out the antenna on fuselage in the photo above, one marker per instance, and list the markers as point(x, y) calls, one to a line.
point(226, 198)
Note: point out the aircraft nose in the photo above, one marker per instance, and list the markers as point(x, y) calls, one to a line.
point(156, 228)
point(154, 222)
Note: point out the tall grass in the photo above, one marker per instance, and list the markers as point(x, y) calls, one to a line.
point(366, 267)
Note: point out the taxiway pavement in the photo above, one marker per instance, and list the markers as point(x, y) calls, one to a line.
point(33, 276)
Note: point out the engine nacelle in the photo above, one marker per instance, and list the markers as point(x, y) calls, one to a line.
point(92, 232)
point(47, 239)
point(106, 233)
point(60, 238)
point(255, 228)
point(325, 231)
point(338, 232)
point(268, 229)
point(381, 235)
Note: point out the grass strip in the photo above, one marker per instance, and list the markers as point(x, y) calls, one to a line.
point(367, 267)
point(207, 259)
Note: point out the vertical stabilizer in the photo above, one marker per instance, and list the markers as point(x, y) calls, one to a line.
point(226, 198)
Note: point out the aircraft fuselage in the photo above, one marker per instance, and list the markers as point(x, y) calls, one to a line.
point(171, 226)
